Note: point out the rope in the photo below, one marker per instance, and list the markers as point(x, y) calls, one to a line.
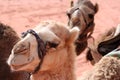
point(41, 48)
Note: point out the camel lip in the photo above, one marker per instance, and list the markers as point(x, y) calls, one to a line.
point(15, 68)
point(18, 67)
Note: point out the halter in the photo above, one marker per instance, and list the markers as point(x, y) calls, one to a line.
point(41, 48)
point(88, 25)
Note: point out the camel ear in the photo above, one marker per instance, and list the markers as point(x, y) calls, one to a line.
point(96, 8)
point(74, 33)
point(71, 3)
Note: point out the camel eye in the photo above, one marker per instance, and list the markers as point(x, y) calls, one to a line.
point(69, 15)
point(51, 45)
point(90, 16)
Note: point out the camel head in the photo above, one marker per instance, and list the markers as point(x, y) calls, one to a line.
point(49, 51)
point(81, 15)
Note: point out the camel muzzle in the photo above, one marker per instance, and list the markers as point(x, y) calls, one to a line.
point(41, 48)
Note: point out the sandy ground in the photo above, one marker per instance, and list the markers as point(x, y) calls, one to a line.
point(25, 14)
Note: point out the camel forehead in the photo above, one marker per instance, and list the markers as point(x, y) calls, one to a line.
point(50, 29)
point(84, 6)
point(82, 10)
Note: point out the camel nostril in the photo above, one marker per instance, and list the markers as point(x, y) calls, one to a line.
point(30, 59)
point(12, 63)
point(21, 48)
point(69, 15)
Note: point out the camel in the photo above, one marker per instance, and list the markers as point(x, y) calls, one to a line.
point(108, 68)
point(106, 54)
point(106, 43)
point(82, 15)
point(8, 38)
point(46, 52)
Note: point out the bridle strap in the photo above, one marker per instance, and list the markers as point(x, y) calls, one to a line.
point(88, 25)
point(41, 48)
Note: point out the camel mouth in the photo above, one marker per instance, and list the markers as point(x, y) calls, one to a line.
point(14, 67)
point(20, 66)
point(22, 61)
point(110, 44)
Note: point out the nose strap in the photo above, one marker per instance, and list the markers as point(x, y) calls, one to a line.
point(41, 48)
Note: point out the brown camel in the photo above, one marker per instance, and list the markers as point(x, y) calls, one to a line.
point(8, 38)
point(108, 68)
point(81, 15)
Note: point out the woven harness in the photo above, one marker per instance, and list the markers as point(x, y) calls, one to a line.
point(41, 47)
point(88, 25)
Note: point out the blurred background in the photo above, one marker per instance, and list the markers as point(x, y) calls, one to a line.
point(26, 14)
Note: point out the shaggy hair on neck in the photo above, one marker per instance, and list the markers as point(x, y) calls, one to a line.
point(8, 38)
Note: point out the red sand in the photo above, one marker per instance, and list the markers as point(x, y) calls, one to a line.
point(25, 14)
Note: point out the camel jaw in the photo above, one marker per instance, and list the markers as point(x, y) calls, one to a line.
point(20, 56)
point(18, 62)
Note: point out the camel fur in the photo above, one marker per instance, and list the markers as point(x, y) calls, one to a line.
point(106, 43)
point(8, 38)
point(108, 68)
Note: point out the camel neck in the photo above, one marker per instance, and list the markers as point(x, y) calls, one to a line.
point(65, 71)
point(62, 73)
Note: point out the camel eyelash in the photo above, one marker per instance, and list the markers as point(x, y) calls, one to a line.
point(51, 45)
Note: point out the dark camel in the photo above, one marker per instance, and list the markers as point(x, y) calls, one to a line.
point(8, 38)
